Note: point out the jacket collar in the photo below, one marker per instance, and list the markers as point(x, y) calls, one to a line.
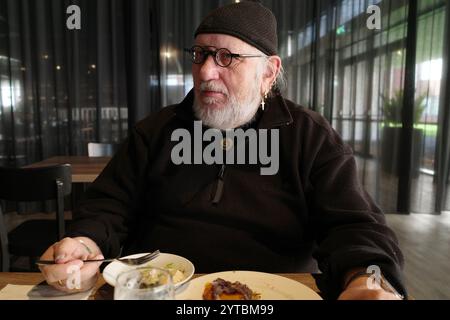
point(276, 113)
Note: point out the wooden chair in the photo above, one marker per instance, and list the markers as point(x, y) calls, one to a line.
point(33, 237)
point(96, 149)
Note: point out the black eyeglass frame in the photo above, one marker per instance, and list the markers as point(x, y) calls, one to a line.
point(214, 54)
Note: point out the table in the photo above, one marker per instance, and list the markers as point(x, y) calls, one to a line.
point(104, 291)
point(84, 169)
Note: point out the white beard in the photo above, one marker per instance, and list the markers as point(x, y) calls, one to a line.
point(230, 116)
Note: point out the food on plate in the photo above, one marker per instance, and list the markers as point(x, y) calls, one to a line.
point(221, 289)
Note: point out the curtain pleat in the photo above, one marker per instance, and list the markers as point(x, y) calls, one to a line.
point(61, 88)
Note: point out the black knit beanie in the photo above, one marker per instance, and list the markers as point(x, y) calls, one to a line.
point(249, 21)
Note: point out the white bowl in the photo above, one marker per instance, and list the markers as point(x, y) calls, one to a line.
point(164, 260)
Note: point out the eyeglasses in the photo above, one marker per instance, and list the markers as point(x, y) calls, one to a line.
point(222, 57)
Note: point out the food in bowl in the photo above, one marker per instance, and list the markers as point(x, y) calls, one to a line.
point(177, 274)
point(150, 278)
point(221, 289)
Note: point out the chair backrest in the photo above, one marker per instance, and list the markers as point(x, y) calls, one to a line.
point(96, 149)
point(35, 184)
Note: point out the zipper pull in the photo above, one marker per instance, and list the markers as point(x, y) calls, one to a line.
point(219, 188)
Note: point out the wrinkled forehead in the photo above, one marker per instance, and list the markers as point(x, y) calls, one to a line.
point(216, 40)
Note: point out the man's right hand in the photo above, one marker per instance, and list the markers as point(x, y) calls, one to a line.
point(68, 254)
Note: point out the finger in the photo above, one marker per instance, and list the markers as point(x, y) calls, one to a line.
point(91, 253)
point(62, 250)
point(80, 278)
point(87, 270)
point(66, 250)
point(57, 272)
point(80, 252)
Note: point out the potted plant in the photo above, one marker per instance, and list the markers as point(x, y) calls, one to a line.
point(391, 134)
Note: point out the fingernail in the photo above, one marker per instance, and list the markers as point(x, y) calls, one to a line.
point(60, 257)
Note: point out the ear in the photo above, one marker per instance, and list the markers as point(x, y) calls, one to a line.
point(270, 74)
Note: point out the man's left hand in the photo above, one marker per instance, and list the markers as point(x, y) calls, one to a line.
point(358, 290)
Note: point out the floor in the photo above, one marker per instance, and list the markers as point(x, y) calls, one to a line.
point(425, 242)
point(424, 238)
point(383, 187)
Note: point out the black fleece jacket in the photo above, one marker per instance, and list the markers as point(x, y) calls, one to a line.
point(313, 210)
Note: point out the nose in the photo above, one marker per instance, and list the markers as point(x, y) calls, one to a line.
point(209, 70)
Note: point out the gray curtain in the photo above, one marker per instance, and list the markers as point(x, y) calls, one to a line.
point(61, 88)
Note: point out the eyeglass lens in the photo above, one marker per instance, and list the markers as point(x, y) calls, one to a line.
point(222, 57)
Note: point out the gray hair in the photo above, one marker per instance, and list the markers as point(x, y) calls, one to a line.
point(280, 81)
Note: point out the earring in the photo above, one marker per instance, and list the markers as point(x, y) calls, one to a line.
point(263, 103)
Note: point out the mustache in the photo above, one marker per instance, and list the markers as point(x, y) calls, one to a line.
point(213, 86)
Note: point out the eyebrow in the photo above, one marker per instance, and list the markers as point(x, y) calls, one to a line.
point(206, 46)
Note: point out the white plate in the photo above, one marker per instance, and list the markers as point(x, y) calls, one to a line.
point(113, 269)
point(269, 286)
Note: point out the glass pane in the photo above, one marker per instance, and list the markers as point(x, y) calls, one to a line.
point(429, 66)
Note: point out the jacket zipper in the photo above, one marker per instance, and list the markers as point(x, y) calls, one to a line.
point(219, 187)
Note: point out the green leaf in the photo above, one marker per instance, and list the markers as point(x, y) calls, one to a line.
point(393, 107)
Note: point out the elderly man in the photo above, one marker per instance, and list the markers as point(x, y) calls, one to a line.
point(229, 215)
